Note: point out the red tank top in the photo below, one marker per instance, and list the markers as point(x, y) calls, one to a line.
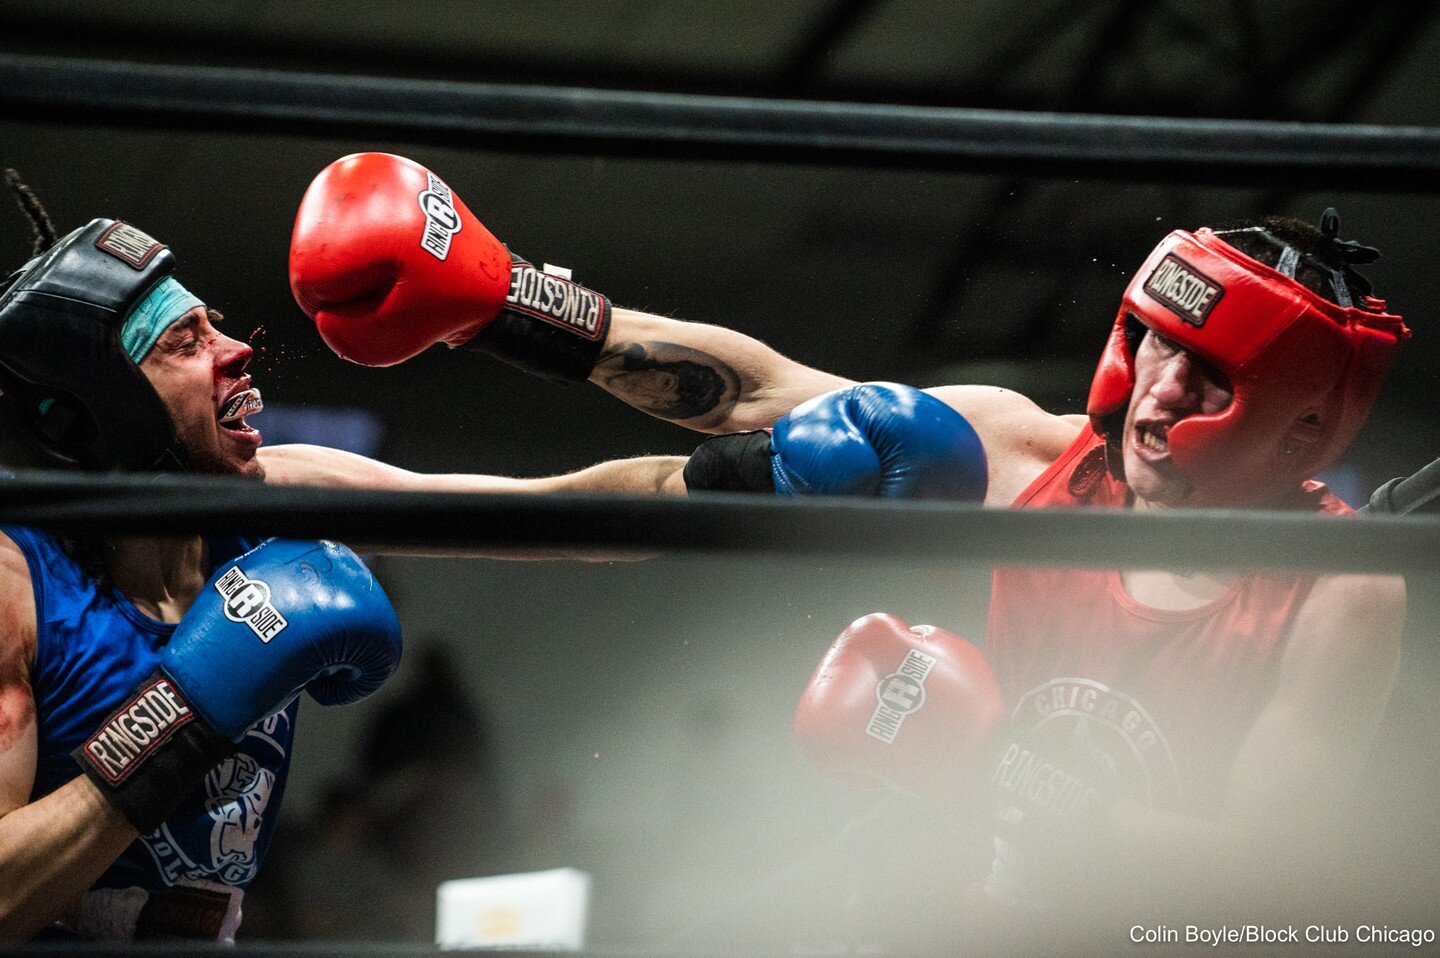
point(1163, 698)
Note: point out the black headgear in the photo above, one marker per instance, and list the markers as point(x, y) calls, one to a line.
point(82, 399)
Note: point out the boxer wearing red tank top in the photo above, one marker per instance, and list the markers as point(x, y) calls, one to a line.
point(1242, 363)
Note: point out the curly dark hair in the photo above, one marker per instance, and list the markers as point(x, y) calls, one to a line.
point(1326, 262)
point(41, 228)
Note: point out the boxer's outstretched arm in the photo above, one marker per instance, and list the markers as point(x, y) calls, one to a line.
point(708, 378)
point(302, 465)
point(379, 297)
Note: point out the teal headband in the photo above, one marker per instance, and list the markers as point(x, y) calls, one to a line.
point(164, 304)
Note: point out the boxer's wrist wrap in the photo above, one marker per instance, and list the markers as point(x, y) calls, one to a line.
point(148, 754)
point(550, 326)
point(1051, 804)
point(735, 462)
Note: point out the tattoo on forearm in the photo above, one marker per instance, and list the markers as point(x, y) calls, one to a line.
point(669, 380)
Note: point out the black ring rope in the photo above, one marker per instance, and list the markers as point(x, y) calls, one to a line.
point(736, 524)
point(500, 117)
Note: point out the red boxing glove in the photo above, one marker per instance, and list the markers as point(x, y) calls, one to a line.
point(907, 707)
point(388, 262)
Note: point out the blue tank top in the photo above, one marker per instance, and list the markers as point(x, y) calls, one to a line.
point(92, 650)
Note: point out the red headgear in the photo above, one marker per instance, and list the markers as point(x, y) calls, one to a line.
point(1303, 371)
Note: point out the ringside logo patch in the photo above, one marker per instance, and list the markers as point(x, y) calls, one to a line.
point(556, 300)
point(441, 220)
point(140, 726)
point(126, 243)
point(248, 600)
point(1184, 290)
point(899, 694)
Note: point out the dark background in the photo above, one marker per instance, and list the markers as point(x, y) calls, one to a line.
point(633, 716)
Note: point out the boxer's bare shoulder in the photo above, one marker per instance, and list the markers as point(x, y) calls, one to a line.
point(17, 704)
point(17, 600)
point(1021, 439)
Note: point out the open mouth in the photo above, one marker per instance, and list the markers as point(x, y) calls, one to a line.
point(246, 402)
point(1153, 436)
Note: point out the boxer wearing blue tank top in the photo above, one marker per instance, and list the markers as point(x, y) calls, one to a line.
point(148, 686)
point(146, 711)
point(92, 648)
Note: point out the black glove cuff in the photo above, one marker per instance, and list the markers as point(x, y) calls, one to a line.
point(147, 755)
point(735, 462)
point(550, 326)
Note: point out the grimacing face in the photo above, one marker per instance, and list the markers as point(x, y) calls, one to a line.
point(195, 368)
point(1170, 384)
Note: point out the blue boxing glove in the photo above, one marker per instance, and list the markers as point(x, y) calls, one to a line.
point(284, 616)
point(875, 439)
